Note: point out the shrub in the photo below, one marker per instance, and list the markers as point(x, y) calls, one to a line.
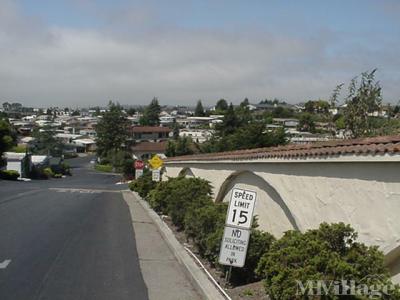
point(57, 175)
point(182, 193)
point(9, 174)
point(143, 185)
point(47, 173)
point(259, 243)
point(19, 149)
point(158, 196)
point(62, 168)
point(104, 168)
point(128, 168)
point(213, 245)
point(69, 155)
point(202, 222)
point(175, 196)
point(328, 253)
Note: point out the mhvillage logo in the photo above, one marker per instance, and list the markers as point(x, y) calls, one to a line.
point(372, 287)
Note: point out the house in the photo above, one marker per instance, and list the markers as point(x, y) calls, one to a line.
point(40, 161)
point(20, 162)
point(84, 145)
point(287, 123)
point(67, 138)
point(150, 133)
point(88, 132)
point(145, 150)
point(197, 135)
point(166, 120)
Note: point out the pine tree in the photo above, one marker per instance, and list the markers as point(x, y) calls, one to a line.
point(112, 131)
point(151, 115)
point(199, 111)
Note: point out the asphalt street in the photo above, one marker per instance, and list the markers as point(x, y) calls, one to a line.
point(68, 238)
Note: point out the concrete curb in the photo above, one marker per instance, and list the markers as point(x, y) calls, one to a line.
point(196, 275)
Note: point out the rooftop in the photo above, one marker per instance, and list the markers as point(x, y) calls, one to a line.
point(149, 129)
point(366, 146)
point(158, 147)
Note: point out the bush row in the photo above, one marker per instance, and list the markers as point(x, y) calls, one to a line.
point(54, 171)
point(189, 204)
point(104, 168)
point(9, 174)
point(328, 253)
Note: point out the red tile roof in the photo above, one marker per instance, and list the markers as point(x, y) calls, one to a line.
point(158, 147)
point(149, 129)
point(369, 146)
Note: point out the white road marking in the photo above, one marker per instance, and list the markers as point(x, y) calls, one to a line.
point(83, 191)
point(5, 263)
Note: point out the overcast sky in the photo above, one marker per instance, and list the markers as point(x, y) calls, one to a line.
point(85, 52)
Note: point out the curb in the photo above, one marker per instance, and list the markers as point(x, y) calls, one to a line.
point(200, 281)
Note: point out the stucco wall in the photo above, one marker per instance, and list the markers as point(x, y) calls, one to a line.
point(303, 195)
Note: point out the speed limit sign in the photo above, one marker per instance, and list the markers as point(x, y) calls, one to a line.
point(241, 208)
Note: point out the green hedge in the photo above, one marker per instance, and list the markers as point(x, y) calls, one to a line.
point(69, 155)
point(176, 195)
point(48, 172)
point(143, 185)
point(9, 174)
point(327, 253)
point(189, 203)
point(62, 168)
point(104, 168)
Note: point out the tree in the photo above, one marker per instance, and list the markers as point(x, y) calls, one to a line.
point(230, 122)
point(183, 146)
point(306, 123)
point(175, 130)
point(243, 113)
point(254, 135)
point(335, 95)
point(396, 109)
point(340, 122)
point(170, 149)
point(112, 131)
point(45, 142)
point(364, 97)
point(7, 137)
point(131, 111)
point(151, 115)
point(199, 111)
point(180, 146)
point(328, 253)
point(245, 103)
point(309, 107)
point(282, 112)
point(221, 105)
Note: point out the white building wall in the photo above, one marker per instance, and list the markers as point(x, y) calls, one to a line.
point(363, 194)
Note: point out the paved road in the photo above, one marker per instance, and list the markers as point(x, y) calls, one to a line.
point(68, 238)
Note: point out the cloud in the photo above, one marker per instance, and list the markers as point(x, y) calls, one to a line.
point(44, 65)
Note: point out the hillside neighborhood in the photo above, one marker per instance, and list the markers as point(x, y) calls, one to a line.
point(70, 132)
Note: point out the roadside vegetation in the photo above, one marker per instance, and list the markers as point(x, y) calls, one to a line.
point(330, 252)
point(113, 142)
point(104, 168)
point(9, 175)
point(53, 171)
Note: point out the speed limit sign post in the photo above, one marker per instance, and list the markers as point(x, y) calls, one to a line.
point(236, 236)
point(241, 208)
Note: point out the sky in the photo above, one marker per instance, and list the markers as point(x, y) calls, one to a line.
point(81, 53)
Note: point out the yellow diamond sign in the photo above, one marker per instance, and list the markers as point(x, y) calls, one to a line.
point(156, 162)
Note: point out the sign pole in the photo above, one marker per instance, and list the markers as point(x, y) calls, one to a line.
point(228, 275)
point(237, 229)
